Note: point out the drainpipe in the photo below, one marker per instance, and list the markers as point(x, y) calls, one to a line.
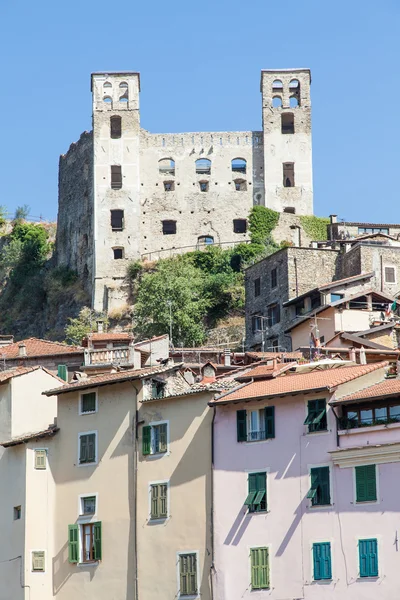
point(337, 427)
point(212, 567)
point(135, 425)
point(295, 276)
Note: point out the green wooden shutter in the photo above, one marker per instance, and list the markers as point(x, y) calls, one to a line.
point(363, 556)
point(259, 568)
point(162, 437)
point(73, 543)
point(264, 568)
point(372, 547)
point(252, 486)
point(371, 482)
point(311, 409)
point(361, 488)
point(254, 568)
point(154, 501)
point(366, 483)
point(241, 426)
point(91, 447)
point(322, 561)
point(270, 422)
point(188, 574)
point(83, 454)
point(325, 492)
point(163, 502)
point(146, 439)
point(97, 540)
point(62, 372)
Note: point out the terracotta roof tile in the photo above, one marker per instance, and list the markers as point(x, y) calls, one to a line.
point(36, 347)
point(290, 384)
point(388, 387)
point(265, 371)
point(97, 337)
point(49, 432)
point(10, 373)
point(110, 378)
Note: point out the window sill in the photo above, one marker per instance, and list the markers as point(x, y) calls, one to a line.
point(94, 563)
point(320, 506)
point(323, 432)
point(156, 455)
point(258, 512)
point(88, 412)
point(373, 579)
point(356, 430)
point(250, 442)
point(92, 464)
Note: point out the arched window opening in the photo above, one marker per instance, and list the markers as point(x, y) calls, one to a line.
point(123, 99)
point(205, 240)
point(166, 166)
point(169, 186)
point(277, 84)
point(203, 186)
point(203, 166)
point(115, 127)
point(294, 85)
point(107, 84)
point(277, 102)
point(107, 99)
point(288, 174)
point(287, 123)
point(239, 165)
point(239, 225)
point(294, 102)
point(123, 85)
point(240, 185)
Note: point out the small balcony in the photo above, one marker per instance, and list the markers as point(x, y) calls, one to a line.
point(109, 356)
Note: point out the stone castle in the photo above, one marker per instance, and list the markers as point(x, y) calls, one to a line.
point(127, 194)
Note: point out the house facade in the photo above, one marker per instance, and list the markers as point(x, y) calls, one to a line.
point(305, 492)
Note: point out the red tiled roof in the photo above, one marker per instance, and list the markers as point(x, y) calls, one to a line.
point(110, 378)
point(265, 371)
point(36, 347)
point(52, 430)
point(388, 387)
point(292, 384)
point(272, 355)
point(10, 373)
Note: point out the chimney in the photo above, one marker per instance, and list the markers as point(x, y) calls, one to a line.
point(274, 364)
point(22, 349)
point(227, 357)
point(100, 328)
point(333, 219)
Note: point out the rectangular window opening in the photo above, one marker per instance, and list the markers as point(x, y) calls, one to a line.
point(38, 561)
point(116, 177)
point(88, 505)
point(316, 417)
point(169, 227)
point(159, 508)
point(319, 493)
point(118, 253)
point(115, 127)
point(259, 560)
point(17, 512)
point(322, 561)
point(366, 483)
point(390, 275)
point(257, 287)
point(187, 575)
point(155, 439)
point(87, 448)
point(117, 220)
point(368, 557)
point(274, 278)
point(40, 459)
point(88, 402)
point(288, 174)
point(239, 225)
point(273, 314)
point(256, 500)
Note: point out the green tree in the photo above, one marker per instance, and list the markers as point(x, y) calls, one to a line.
point(82, 325)
point(21, 213)
point(175, 288)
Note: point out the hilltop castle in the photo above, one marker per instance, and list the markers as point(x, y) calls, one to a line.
point(127, 194)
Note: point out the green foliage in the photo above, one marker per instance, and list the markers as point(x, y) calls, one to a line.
point(175, 285)
point(315, 227)
point(85, 323)
point(3, 214)
point(29, 248)
point(21, 213)
point(262, 222)
point(133, 269)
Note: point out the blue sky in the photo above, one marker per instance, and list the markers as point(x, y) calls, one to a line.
point(200, 65)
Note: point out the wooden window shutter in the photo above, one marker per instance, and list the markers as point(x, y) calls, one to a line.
point(40, 459)
point(259, 568)
point(322, 561)
point(62, 372)
point(254, 568)
point(188, 574)
point(97, 540)
point(366, 483)
point(372, 547)
point(163, 437)
point(91, 445)
point(73, 543)
point(270, 422)
point(363, 555)
point(146, 439)
point(324, 485)
point(370, 477)
point(154, 501)
point(241, 426)
point(163, 501)
point(83, 454)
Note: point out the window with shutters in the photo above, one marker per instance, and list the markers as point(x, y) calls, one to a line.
point(256, 499)
point(288, 174)
point(187, 574)
point(62, 372)
point(117, 220)
point(322, 561)
point(159, 500)
point(115, 127)
point(255, 425)
point(88, 448)
point(273, 314)
point(38, 561)
point(320, 490)
point(116, 177)
point(259, 563)
point(155, 438)
point(40, 459)
point(85, 542)
point(316, 416)
point(366, 483)
point(88, 403)
point(368, 557)
point(390, 274)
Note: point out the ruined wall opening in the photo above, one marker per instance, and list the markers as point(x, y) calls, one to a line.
point(117, 220)
point(239, 165)
point(107, 84)
point(240, 185)
point(277, 85)
point(277, 102)
point(166, 166)
point(287, 123)
point(239, 225)
point(169, 186)
point(203, 166)
point(294, 91)
point(204, 240)
point(116, 177)
point(115, 127)
point(118, 253)
point(288, 174)
point(169, 227)
point(290, 209)
point(123, 87)
point(107, 100)
point(204, 186)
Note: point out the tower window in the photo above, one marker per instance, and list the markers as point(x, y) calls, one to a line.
point(116, 177)
point(239, 225)
point(107, 84)
point(287, 123)
point(288, 174)
point(115, 127)
point(277, 102)
point(117, 220)
point(169, 227)
point(240, 185)
point(294, 102)
point(123, 86)
point(166, 166)
point(203, 186)
point(107, 100)
point(239, 165)
point(277, 84)
point(169, 186)
point(118, 253)
point(203, 166)
point(290, 209)
point(205, 240)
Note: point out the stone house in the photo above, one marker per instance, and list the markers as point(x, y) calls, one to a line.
point(127, 194)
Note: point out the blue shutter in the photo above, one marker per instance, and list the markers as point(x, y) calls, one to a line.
point(372, 547)
point(322, 561)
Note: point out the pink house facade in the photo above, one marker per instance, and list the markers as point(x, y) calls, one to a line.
point(306, 486)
